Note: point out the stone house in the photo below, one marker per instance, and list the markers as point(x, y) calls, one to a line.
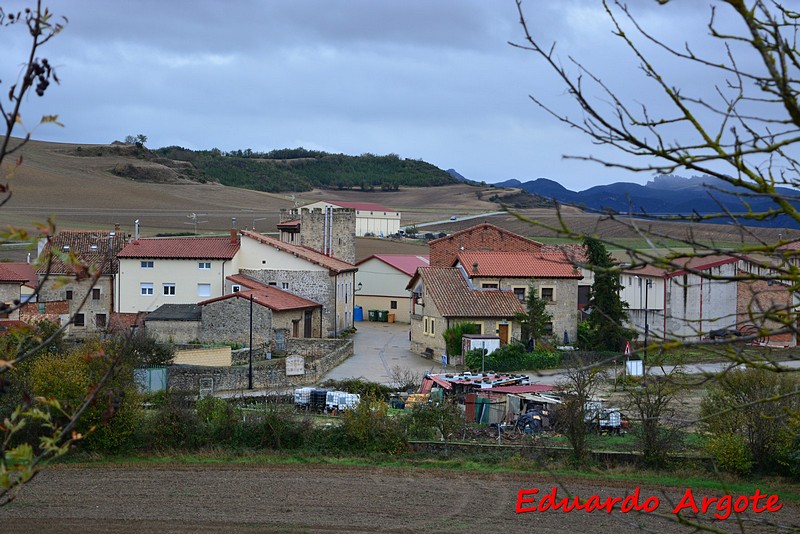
point(175, 323)
point(381, 283)
point(174, 270)
point(68, 262)
point(553, 276)
point(370, 218)
point(483, 237)
point(445, 296)
point(330, 231)
point(303, 272)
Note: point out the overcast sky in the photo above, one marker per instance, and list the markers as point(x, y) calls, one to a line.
point(428, 79)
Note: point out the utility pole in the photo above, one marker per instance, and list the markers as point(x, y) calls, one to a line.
point(250, 369)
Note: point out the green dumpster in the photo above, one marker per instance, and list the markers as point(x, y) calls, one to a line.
point(383, 316)
point(373, 315)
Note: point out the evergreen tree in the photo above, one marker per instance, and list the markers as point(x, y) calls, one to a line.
point(607, 329)
point(534, 320)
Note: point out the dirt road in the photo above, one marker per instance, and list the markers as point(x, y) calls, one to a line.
point(314, 498)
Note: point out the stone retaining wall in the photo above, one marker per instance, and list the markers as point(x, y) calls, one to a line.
point(267, 374)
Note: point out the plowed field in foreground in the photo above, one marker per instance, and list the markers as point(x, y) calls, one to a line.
point(318, 498)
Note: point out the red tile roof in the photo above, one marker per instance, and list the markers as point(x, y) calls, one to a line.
point(270, 297)
point(96, 248)
point(406, 263)
point(23, 273)
point(518, 265)
point(335, 265)
point(287, 225)
point(453, 297)
point(182, 248)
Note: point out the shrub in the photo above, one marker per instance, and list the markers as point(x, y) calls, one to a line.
point(217, 420)
point(453, 336)
point(731, 453)
point(512, 357)
point(368, 427)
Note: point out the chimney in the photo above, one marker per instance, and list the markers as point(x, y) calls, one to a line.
point(475, 267)
point(136, 230)
point(234, 240)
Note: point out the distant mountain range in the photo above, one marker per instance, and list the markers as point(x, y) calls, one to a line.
point(665, 195)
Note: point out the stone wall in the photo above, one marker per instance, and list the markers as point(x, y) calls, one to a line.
point(174, 331)
point(266, 374)
point(313, 285)
point(228, 321)
point(53, 289)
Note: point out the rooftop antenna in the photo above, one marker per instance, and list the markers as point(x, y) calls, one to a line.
point(195, 220)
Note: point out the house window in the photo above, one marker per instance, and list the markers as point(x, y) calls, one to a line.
point(433, 327)
point(203, 290)
point(169, 289)
point(425, 325)
point(285, 285)
point(489, 286)
point(548, 294)
point(519, 292)
point(204, 265)
point(146, 289)
point(100, 320)
point(479, 328)
point(273, 283)
point(68, 295)
point(548, 328)
point(146, 264)
point(393, 304)
point(235, 288)
point(95, 293)
point(79, 320)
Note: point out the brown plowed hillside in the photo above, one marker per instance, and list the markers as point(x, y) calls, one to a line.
point(82, 192)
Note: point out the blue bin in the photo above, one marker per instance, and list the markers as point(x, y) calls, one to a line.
point(358, 313)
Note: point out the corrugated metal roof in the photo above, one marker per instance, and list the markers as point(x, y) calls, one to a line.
point(406, 263)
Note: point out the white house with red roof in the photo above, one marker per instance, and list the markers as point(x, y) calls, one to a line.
point(381, 283)
point(371, 218)
point(174, 270)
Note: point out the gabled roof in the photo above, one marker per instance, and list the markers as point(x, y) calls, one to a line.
point(406, 263)
point(21, 273)
point(175, 312)
point(517, 265)
point(294, 224)
point(681, 266)
point(453, 296)
point(182, 248)
point(486, 226)
point(334, 265)
point(360, 206)
point(245, 281)
point(94, 247)
point(270, 297)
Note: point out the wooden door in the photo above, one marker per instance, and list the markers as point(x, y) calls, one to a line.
point(503, 333)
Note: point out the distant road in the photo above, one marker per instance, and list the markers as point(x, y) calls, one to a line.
point(457, 219)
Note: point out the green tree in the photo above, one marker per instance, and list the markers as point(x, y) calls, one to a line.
point(453, 337)
point(535, 319)
point(607, 315)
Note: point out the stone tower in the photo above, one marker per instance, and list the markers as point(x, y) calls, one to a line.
point(331, 232)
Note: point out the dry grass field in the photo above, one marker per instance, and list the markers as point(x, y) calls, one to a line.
point(82, 193)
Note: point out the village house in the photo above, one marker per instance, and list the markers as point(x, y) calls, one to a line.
point(444, 296)
point(68, 262)
point(552, 276)
point(381, 283)
point(173, 270)
point(483, 237)
point(18, 282)
point(371, 219)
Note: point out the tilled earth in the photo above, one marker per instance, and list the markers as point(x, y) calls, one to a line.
point(317, 498)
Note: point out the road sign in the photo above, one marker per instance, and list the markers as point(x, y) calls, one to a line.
point(627, 352)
